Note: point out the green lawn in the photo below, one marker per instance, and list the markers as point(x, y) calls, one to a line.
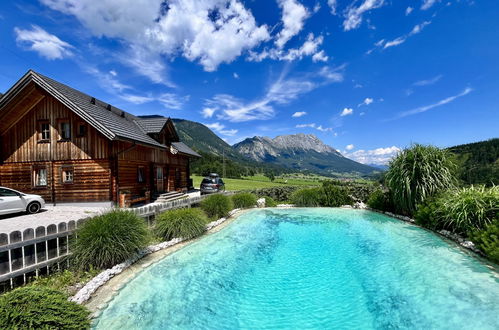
point(260, 181)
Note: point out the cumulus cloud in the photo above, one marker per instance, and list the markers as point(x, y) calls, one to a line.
point(315, 126)
point(299, 114)
point(367, 101)
point(349, 147)
point(283, 91)
point(425, 108)
point(220, 128)
point(346, 112)
point(332, 4)
point(353, 13)
point(44, 43)
point(210, 32)
point(379, 156)
point(294, 15)
point(309, 48)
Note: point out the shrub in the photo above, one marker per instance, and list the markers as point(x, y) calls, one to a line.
point(66, 280)
point(216, 206)
point(470, 208)
point(270, 202)
point(379, 200)
point(332, 195)
point(429, 215)
point(244, 200)
point(487, 240)
point(108, 239)
point(417, 173)
point(185, 223)
point(33, 307)
point(278, 193)
point(307, 197)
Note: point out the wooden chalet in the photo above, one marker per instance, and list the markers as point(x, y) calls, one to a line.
point(67, 146)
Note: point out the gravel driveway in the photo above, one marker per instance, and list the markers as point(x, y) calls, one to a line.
point(50, 215)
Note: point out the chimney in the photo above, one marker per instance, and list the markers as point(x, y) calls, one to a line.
point(92, 100)
point(108, 107)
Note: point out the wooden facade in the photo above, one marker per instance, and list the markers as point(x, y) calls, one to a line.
point(49, 150)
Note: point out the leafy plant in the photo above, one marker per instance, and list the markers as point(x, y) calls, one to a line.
point(34, 307)
point(308, 197)
point(470, 208)
point(332, 195)
point(244, 200)
point(65, 280)
point(108, 239)
point(185, 223)
point(380, 200)
point(216, 206)
point(429, 215)
point(487, 240)
point(418, 173)
point(281, 193)
point(270, 202)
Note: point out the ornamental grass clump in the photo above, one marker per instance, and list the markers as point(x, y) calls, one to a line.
point(417, 173)
point(34, 307)
point(270, 202)
point(216, 206)
point(180, 223)
point(109, 239)
point(332, 195)
point(244, 200)
point(308, 197)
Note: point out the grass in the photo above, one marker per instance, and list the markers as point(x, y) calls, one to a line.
point(260, 181)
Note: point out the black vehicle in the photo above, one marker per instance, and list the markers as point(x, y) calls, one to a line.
point(212, 184)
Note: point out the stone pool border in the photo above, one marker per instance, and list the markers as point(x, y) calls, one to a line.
point(86, 292)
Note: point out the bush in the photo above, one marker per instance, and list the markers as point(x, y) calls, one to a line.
point(380, 200)
point(185, 223)
point(108, 239)
point(270, 202)
point(308, 197)
point(66, 280)
point(244, 200)
point(332, 195)
point(429, 215)
point(418, 173)
point(470, 208)
point(216, 206)
point(34, 307)
point(487, 240)
point(279, 193)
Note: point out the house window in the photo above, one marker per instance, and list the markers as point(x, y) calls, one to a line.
point(65, 130)
point(67, 174)
point(159, 173)
point(44, 129)
point(140, 175)
point(40, 177)
point(81, 130)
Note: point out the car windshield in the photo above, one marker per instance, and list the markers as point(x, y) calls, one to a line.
point(207, 180)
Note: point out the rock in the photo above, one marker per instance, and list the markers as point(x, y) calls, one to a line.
point(260, 202)
point(360, 205)
point(346, 207)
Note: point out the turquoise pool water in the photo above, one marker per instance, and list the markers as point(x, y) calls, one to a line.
point(311, 269)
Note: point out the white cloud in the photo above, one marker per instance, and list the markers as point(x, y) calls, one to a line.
point(136, 99)
point(395, 42)
point(408, 11)
point(400, 40)
point(210, 32)
point(425, 108)
point(172, 101)
point(108, 81)
point(349, 147)
point(299, 114)
point(44, 43)
point(113, 73)
point(317, 7)
point(353, 14)
point(379, 156)
point(220, 128)
point(367, 101)
point(235, 75)
point(427, 82)
point(282, 91)
point(332, 4)
point(315, 126)
point(309, 48)
point(346, 112)
point(320, 57)
point(427, 4)
point(294, 15)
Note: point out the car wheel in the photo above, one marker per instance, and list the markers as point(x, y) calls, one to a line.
point(33, 207)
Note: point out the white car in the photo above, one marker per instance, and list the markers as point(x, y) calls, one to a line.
point(13, 201)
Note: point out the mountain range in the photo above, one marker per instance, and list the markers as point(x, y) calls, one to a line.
point(299, 152)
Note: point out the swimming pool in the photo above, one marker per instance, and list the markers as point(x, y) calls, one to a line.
point(311, 268)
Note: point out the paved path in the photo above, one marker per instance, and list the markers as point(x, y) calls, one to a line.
point(49, 215)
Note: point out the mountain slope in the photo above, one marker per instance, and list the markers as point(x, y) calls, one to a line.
point(479, 162)
point(300, 152)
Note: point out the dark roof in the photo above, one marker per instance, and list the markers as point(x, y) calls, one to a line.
point(184, 149)
point(112, 122)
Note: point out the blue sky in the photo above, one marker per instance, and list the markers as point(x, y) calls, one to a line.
point(367, 77)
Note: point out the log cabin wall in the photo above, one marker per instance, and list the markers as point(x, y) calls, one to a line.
point(26, 149)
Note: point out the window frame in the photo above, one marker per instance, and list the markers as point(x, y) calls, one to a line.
point(141, 174)
point(64, 169)
point(61, 122)
point(35, 177)
point(79, 133)
point(41, 131)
